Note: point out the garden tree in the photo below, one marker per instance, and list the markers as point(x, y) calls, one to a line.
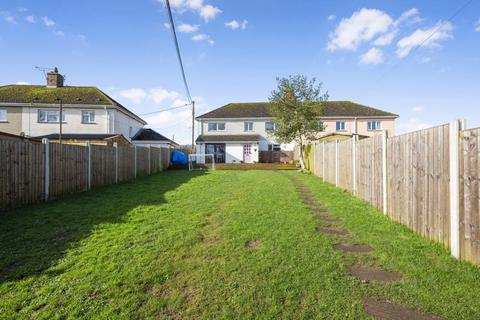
point(297, 105)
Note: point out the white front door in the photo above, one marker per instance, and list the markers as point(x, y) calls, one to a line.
point(247, 153)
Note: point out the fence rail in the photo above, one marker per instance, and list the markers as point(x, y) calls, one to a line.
point(427, 180)
point(33, 172)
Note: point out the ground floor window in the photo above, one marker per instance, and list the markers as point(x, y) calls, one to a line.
point(3, 115)
point(274, 147)
point(218, 151)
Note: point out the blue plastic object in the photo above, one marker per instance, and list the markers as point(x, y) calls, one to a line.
point(178, 157)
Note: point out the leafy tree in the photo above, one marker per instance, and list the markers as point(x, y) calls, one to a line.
point(297, 106)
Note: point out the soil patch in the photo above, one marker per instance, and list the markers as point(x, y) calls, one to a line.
point(253, 244)
point(331, 230)
point(391, 311)
point(352, 247)
point(366, 273)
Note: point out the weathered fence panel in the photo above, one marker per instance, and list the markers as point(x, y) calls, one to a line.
point(418, 181)
point(71, 168)
point(469, 195)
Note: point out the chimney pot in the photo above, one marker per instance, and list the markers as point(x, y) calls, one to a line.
point(54, 79)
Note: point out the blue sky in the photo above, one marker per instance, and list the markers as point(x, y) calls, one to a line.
point(364, 51)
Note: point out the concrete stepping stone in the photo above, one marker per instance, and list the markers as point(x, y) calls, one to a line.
point(391, 311)
point(367, 274)
point(334, 231)
point(357, 248)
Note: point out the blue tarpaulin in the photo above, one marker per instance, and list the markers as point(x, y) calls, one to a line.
point(179, 157)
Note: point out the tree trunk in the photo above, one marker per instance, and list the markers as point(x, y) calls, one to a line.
point(302, 155)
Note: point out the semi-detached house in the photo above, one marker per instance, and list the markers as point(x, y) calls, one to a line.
point(237, 132)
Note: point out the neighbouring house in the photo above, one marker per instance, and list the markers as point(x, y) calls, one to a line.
point(34, 111)
point(331, 137)
point(81, 138)
point(238, 132)
point(146, 137)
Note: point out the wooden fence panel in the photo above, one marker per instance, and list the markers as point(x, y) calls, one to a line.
point(165, 158)
point(330, 165)
point(155, 159)
point(142, 161)
point(126, 163)
point(102, 165)
point(22, 173)
point(68, 169)
point(369, 170)
point(345, 165)
point(469, 195)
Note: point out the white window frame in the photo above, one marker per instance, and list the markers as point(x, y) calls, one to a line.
point(47, 112)
point(3, 115)
point(89, 112)
point(216, 124)
point(274, 126)
point(343, 126)
point(248, 126)
point(376, 127)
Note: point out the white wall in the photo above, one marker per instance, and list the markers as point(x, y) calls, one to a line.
point(122, 124)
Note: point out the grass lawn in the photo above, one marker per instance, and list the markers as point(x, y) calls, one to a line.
point(173, 246)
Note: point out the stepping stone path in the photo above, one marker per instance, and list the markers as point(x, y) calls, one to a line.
point(367, 274)
point(388, 310)
point(374, 308)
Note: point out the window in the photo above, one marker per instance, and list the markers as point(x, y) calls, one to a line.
point(216, 126)
point(50, 116)
point(248, 126)
point(374, 125)
point(340, 126)
point(3, 115)
point(270, 126)
point(274, 147)
point(88, 116)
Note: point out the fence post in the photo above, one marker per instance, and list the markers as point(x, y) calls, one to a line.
point(354, 164)
point(323, 161)
point(115, 145)
point(47, 168)
point(135, 162)
point(337, 167)
point(149, 159)
point(384, 170)
point(454, 128)
point(89, 165)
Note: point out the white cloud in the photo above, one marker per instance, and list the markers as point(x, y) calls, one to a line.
point(418, 109)
point(428, 38)
point(234, 24)
point(425, 60)
point(22, 9)
point(362, 26)
point(412, 124)
point(135, 95)
point(331, 17)
point(206, 11)
point(203, 37)
point(372, 56)
point(477, 26)
point(21, 83)
point(59, 33)
point(209, 12)
point(48, 22)
point(187, 28)
point(406, 16)
point(158, 95)
point(10, 19)
point(385, 39)
point(30, 19)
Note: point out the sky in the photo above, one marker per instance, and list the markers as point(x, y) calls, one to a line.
point(405, 57)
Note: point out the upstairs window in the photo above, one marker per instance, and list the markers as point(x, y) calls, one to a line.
point(88, 116)
point(340, 126)
point(374, 125)
point(216, 126)
point(270, 126)
point(46, 116)
point(248, 126)
point(3, 115)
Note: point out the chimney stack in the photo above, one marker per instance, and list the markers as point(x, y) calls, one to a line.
point(54, 79)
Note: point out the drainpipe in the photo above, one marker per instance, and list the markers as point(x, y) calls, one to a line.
point(107, 123)
point(355, 126)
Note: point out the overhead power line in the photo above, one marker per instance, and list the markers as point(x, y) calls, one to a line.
point(163, 110)
point(177, 47)
point(440, 26)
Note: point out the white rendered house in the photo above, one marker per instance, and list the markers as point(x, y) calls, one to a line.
point(237, 132)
